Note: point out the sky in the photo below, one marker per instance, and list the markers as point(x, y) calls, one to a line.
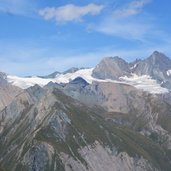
point(38, 37)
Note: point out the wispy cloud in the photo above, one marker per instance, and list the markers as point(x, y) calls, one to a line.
point(70, 12)
point(131, 9)
point(130, 29)
point(123, 22)
point(17, 7)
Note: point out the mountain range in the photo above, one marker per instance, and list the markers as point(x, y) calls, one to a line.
point(113, 117)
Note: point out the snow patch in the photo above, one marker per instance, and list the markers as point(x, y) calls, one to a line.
point(84, 73)
point(168, 72)
point(143, 82)
point(133, 67)
point(24, 83)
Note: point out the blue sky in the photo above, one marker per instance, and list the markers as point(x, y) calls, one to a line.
point(38, 37)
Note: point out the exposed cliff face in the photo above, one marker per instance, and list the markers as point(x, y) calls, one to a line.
point(43, 129)
point(157, 66)
point(111, 68)
point(100, 158)
point(111, 96)
point(3, 79)
point(125, 105)
point(117, 98)
point(7, 91)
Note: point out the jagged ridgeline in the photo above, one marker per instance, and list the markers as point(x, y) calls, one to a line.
point(83, 126)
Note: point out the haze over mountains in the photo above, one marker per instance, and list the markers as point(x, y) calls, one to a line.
point(114, 117)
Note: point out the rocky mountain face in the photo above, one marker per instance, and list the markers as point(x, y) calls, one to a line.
point(3, 78)
point(111, 68)
point(157, 66)
point(43, 129)
point(7, 91)
point(81, 126)
point(125, 105)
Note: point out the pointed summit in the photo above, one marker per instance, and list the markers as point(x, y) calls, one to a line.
point(158, 55)
point(52, 75)
point(156, 52)
point(115, 59)
point(111, 68)
point(156, 66)
point(159, 60)
point(71, 70)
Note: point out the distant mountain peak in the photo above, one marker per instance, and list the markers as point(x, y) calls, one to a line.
point(158, 56)
point(74, 69)
point(71, 70)
point(111, 68)
point(156, 52)
point(114, 59)
point(157, 66)
point(52, 75)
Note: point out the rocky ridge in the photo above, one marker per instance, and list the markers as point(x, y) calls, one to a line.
point(88, 126)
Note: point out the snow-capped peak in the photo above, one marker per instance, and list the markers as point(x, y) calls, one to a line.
point(143, 82)
point(24, 82)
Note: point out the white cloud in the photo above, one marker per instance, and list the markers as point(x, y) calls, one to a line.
point(17, 7)
point(131, 9)
point(70, 12)
point(123, 22)
point(128, 29)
